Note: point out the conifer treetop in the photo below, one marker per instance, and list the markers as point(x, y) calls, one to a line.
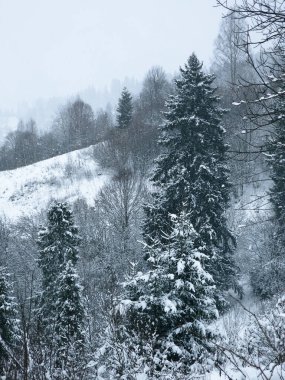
point(124, 109)
point(60, 235)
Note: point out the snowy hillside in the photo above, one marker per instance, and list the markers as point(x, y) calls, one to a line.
point(28, 190)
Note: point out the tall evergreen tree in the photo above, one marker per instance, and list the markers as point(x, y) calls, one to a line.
point(61, 312)
point(125, 109)
point(191, 172)
point(169, 307)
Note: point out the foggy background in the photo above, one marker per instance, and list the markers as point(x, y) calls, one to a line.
point(53, 50)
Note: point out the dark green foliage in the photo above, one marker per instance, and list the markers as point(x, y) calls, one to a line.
point(191, 172)
point(124, 110)
point(58, 243)
point(171, 304)
point(61, 313)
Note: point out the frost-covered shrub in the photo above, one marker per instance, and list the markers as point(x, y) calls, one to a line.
point(119, 357)
point(264, 341)
point(268, 279)
point(260, 347)
point(267, 273)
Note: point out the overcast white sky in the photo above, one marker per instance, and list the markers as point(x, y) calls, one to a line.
point(59, 47)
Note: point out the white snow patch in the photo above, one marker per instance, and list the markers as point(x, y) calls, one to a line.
point(180, 266)
point(169, 306)
point(28, 190)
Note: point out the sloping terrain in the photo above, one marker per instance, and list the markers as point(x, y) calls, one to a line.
point(28, 190)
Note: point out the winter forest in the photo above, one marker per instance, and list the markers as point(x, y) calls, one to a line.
point(147, 240)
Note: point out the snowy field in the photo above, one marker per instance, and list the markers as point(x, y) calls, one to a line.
point(28, 190)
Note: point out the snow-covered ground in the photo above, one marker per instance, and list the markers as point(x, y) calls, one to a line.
point(246, 373)
point(28, 190)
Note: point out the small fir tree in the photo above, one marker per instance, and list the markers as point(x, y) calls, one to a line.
point(61, 311)
point(58, 243)
point(191, 173)
point(124, 110)
point(169, 307)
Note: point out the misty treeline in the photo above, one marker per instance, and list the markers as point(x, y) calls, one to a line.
point(76, 126)
point(132, 286)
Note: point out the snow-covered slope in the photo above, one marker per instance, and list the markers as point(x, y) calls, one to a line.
point(28, 190)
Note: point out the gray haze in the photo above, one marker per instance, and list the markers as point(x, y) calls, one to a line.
point(55, 48)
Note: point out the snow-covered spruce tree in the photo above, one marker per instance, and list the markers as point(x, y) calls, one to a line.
point(191, 173)
point(124, 109)
point(58, 243)
point(9, 328)
point(61, 311)
point(168, 308)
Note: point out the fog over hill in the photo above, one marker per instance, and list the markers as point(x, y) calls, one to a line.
point(43, 111)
